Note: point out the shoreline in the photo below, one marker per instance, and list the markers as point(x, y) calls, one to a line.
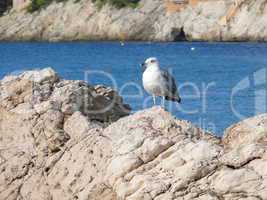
point(132, 41)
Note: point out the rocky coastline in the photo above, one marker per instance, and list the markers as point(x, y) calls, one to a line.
point(152, 20)
point(55, 145)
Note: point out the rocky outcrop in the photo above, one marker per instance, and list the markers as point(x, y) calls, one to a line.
point(205, 20)
point(52, 146)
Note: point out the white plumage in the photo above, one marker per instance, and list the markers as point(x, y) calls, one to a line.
point(159, 82)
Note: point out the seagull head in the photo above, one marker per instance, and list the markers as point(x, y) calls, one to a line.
point(151, 62)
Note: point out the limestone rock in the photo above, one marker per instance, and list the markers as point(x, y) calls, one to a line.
point(252, 130)
point(214, 20)
point(42, 90)
point(56, 149)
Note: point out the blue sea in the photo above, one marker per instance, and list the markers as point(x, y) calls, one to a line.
point(219, 83)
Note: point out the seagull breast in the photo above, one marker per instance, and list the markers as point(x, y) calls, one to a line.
point(160, 83)
point(152, 81)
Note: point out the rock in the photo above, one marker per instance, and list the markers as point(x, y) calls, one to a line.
point(227, 181)
point(252, 130)
point(38, 77)
point(50, 152)
point(241, 155)
point(42, 90)
point(78, 126)
point(152, 20)
point(40, 131)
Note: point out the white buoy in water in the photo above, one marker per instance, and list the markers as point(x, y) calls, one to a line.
point(192, 48)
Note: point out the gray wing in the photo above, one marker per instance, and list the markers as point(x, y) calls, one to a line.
point(172, 92)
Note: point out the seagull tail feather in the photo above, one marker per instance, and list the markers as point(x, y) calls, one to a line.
point(177, 99)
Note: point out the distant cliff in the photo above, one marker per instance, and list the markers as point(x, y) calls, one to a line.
point(153, 20)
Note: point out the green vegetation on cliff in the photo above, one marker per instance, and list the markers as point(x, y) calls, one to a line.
point(117, 3)
point(38, 4)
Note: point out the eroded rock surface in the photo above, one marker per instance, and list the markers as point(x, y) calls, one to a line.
point(53, 147)
point(152, 20)
point(45, 122)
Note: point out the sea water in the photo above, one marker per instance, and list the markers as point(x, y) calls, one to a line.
point(219, 83)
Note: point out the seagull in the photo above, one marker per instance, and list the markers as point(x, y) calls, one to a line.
point(159, 82)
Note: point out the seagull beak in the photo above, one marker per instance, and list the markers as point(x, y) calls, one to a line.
point(143, 65)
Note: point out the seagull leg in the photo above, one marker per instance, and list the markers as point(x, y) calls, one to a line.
point(154, 100)
point(163, 102)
